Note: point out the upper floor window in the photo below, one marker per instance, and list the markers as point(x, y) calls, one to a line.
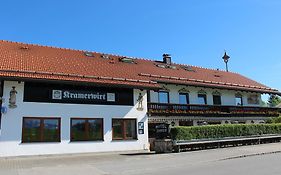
point(163, 97)
point(183, 98)
point(202, 97)
point(216, 98)
point(238, 99)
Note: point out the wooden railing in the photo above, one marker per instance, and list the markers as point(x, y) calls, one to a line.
point(167, 109)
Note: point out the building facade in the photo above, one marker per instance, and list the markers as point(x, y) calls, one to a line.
point(42, 123)
point(57, 101)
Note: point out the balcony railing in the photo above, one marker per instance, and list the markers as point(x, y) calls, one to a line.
point(163, 109)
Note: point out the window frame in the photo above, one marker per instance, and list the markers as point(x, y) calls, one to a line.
point(205, 98)
point(41, 129)
point(186, 96)
point(168, 96)
point(86, 129)
point(219, 101)
point(124, 138)
point(239, 96)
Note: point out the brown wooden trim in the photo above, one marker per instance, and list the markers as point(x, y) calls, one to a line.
point(123, 125)
point(163, 109)
point(86, 129)
point(42, 128)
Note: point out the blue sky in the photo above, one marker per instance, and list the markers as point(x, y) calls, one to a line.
point(195, 32)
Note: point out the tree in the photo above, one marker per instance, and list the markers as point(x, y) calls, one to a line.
point(274, 100)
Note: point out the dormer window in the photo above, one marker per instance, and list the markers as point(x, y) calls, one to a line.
point(106, 57)
point(88, 54)
point(188, 68)
point(166, 66)
point(126, 60)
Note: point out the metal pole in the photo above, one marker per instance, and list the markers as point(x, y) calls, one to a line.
point(226, 67)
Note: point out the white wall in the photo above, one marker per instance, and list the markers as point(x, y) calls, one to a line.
point(10, 137)
point(227, 96)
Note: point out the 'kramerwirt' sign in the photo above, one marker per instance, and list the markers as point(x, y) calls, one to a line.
point(82, 95)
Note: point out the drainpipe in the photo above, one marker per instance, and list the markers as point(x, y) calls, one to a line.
point(1, 100)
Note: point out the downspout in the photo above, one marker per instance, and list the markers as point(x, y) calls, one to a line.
point(1, 101)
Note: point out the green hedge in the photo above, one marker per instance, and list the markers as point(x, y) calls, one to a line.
point(222, 131)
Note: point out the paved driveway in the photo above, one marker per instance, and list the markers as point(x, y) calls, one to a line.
point(258, 159)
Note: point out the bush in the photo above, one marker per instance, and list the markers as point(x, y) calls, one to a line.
point(277, 120)
point(222, 131)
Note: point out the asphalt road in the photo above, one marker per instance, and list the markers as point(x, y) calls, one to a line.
point(258, 160)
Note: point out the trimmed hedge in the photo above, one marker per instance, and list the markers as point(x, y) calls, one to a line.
point(223, 131)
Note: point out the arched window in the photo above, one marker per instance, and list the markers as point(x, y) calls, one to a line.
point(216, 98)
point(163, 95)
point(183, 96)
point(202, 97)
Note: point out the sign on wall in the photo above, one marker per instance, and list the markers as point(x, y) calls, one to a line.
point(141, 127)
point(82, 95)
point(77, 94)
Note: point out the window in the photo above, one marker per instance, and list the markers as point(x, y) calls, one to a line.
point(163, 97)
point(36, 129)
point(216, 99)
point(124, 129)
point(238, 99)
point(183, 98)
point(89, 129)
point(202, 99)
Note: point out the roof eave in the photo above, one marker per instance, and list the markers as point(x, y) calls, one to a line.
point(226, 88)
point(120, 85)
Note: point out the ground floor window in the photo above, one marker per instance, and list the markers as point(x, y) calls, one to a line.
point(86, 129)
point(124, 129)
point(40, 129)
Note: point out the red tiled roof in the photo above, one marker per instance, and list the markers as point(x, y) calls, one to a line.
point(20, 60)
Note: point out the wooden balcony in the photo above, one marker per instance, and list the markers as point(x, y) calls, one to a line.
point(163, 109)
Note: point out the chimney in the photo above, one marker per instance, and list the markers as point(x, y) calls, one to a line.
point(167, 59)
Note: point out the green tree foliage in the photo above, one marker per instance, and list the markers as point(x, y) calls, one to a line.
point(274, 100)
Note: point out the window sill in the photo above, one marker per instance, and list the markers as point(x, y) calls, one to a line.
point(40, 142)
point(85, 141)
point(116, 140)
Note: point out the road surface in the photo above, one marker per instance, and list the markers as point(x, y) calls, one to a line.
point(258, 160)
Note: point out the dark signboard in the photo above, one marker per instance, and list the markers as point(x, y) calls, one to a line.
point(162, 131)
point(60, 93)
